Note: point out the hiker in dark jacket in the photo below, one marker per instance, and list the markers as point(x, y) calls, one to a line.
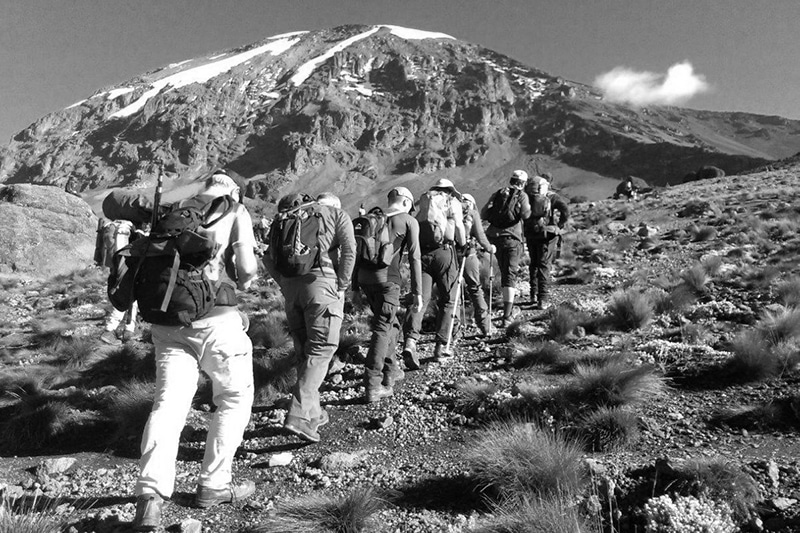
point(381, 286)
point(505, 232)
point(477, 245)
point(314, 305)
point(543, 231)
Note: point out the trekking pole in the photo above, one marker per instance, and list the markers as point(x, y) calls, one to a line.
point(454, 312)
point(491, 284)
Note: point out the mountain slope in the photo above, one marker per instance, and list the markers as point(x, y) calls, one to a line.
point(358, 109)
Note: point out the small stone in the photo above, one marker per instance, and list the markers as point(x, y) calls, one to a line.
point(774, 473)
point(336, 379)
point(191, 525)
point(280, 459)
point(58, 465)
point(783, 504)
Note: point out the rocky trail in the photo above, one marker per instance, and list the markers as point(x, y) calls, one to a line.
point(415, 446)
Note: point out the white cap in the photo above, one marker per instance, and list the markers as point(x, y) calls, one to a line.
point(519, 175)
point(467, 196)
point(539, 185)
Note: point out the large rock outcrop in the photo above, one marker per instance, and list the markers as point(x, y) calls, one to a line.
point(46, 231)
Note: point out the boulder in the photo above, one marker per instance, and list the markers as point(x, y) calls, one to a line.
point(46, 231)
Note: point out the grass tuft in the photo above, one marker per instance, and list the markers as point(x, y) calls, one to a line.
point(29, 519)
point(609, 429)
point(525, 354)
point(472, 395)
point(129, 409)
point(719, 480)
point(523, 460)
point(270, 330)
point(629, 310)
point(317, 513)
point(615, 384)
point(534, 515)
point(789, 292)
point(274, 374)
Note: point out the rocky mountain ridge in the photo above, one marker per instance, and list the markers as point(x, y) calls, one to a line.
point(358, 109)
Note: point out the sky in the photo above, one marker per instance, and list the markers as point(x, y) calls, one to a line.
point(727, 55)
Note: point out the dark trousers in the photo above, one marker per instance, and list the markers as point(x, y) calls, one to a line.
point(384, 300)
point(509, 251)
point(440, 267)
point(472, 281)
point(542, 253)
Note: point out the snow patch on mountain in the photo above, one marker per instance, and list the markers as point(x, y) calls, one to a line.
point(306, 69)
point(203, 73)
point(412, 34)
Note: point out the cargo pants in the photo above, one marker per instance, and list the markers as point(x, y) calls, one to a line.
point(314, 313)
point(542, 252)
point(439, 266)
point(384, 300)
point(472, 281)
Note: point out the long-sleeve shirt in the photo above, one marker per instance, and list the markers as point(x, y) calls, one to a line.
point(338, 244)
point(474, 228)
point(515, 231)
point(404, 234)
point(554, 221)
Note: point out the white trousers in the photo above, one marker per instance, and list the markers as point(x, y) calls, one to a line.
point(219, 347)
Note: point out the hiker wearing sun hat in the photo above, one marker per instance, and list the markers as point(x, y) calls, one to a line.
point(441, 229)
point(392, 232)
point(505, 211)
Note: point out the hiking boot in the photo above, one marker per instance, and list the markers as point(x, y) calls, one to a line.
point(410, 354)
point(206, 497)
point(148, 511)
point(394, 375)
point(441, 352)
point(110, 337)
point(375, 395)
point(542, 304)
point(302, 428)
point(510, 314)
point(127, 335)
point(320, 421)
point(336, 366)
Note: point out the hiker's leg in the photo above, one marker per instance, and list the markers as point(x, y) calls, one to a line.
point(413, 321)
point(445, 271)
point(228, 361)
point(176, 383)
point(548, 253)
point(384, 303)
point(323, 316)
point(533, 267)
point(472, 280)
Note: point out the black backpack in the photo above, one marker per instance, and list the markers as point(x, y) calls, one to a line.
point(294, 239)
point(164, 271)
point(505, 209)
point(374, 248)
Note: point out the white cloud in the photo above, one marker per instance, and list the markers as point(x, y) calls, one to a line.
point(623, 85)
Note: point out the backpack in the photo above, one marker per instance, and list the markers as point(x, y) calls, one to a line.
point(294, 239)
point(129, 204)
point(541, 213)
point(374, 248)
point(505, 209)
point(164, 272)
point(433, 215)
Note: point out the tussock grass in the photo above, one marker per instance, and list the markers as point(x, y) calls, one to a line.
point(534, 515)
point(525, 354)
point(781, 413)
point(712, 264)
point(703, 233)
point(75, 352)
point(515, 330)
point(28, 519)
point(770, 350)
point(780, 326)
point(40, 422)
point(721, 481)
point(615, 384)
point(629, 310)
point(472, 394)
point(270, 331)
point(49, 330)
point(129, 361)
point(318, 513)
point(524, 460)
point(695, 279)
point(564, 321)
point(129, 408)
point(789, 292)
point(609, 429)
point(274, 374)
point(349, 349)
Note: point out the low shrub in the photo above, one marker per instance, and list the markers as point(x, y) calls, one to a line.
point(317, 513)
point(524, 460)
point(687, 514)
point(721, 481)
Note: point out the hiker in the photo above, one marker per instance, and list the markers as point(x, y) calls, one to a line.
point(505, 211)
point(303, 237)
point(112, 236)
point(216, 344)
point(543, 229)
point(477, 245)
point(626, 189)
point(441, 229)
point(397, 232)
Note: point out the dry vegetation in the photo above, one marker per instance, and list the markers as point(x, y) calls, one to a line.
point(663, 383)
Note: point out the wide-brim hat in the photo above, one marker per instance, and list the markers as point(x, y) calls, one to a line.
point(444, 184)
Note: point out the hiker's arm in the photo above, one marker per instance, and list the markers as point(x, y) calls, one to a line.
point(460, 234)
point(478, 231)
point(414, 255)
point(560, 205)
point(488, 206)
point(525, 206)
point(244, 244)
point(347, 249)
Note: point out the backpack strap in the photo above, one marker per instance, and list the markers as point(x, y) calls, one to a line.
point(173, 277)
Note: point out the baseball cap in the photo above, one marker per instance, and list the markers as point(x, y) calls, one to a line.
point(401, 191)
point(234, 178)
point(468, 197)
